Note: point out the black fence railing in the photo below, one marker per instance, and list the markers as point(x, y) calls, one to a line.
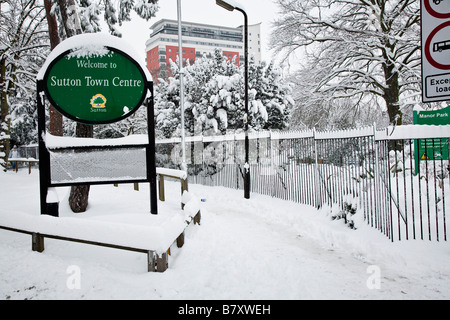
point(398, 180)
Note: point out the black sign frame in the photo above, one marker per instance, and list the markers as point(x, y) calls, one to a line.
point(44, 154)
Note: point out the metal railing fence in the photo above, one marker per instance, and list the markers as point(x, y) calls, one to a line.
point(403, 194)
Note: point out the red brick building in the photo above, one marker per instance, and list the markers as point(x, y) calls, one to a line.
point(198, 40)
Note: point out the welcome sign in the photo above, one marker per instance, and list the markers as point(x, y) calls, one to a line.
point(95, 78)
point(95, 87)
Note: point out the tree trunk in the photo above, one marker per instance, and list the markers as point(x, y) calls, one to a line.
point(79, 198)
point(392, 94)
point(6, 88)
point(56, 119)
point(79, 195)
point(4, 112)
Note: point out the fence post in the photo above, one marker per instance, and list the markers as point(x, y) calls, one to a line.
point(317, 199)
point(274, 136)
point(375, 176)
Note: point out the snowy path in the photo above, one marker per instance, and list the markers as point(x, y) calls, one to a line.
point(261, 248)
point(261, 259)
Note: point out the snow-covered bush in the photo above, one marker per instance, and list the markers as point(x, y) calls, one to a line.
point(214, 97)
point(348, 211)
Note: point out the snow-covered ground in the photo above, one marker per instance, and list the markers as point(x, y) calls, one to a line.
point(262, 248)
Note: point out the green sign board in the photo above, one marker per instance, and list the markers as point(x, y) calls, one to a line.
point(431, 149)
point(95, 88)
point(436, 117)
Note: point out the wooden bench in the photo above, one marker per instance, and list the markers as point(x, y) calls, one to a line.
point(174, 174)
point(40, 227)
point(30, 161)
point(178, 175)
point(168, 173)
point(150, 234)
point(155, 262)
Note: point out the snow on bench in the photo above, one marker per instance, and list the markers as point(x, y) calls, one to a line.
point(146, 233)
point(173, 173)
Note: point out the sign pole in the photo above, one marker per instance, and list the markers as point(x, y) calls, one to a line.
point(44, 156)
point(151, 151)
point(180, 57)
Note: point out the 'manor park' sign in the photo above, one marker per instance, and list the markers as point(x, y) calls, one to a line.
point(95, 87)
point(431, 149)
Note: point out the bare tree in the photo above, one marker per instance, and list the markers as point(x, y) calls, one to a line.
point(355, 49)
point(56, 118)
point(22, 39)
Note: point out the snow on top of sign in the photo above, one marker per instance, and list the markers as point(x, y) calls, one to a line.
point(89, 52)
point(89, 44)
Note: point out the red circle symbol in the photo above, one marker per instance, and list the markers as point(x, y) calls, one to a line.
point(430, 59)
point(433, 12)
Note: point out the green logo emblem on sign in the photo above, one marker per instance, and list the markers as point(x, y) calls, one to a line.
point(98, 101)
point(95, 87)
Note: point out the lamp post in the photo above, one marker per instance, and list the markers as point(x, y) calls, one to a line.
point(180, 61)
point(231, 6)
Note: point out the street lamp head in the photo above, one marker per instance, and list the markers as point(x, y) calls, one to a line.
point(225, 5)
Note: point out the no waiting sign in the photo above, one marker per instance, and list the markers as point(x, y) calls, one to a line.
point(435, 50)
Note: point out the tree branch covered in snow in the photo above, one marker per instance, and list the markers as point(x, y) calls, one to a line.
point(23, 47)
point(359, 50)
point(114, 12)
point(214, 97)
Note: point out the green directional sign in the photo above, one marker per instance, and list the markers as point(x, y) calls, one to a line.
point(435, 117)
point(431, 149)
point(95, 87)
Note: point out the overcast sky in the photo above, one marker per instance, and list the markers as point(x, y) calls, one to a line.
point(204, 11)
